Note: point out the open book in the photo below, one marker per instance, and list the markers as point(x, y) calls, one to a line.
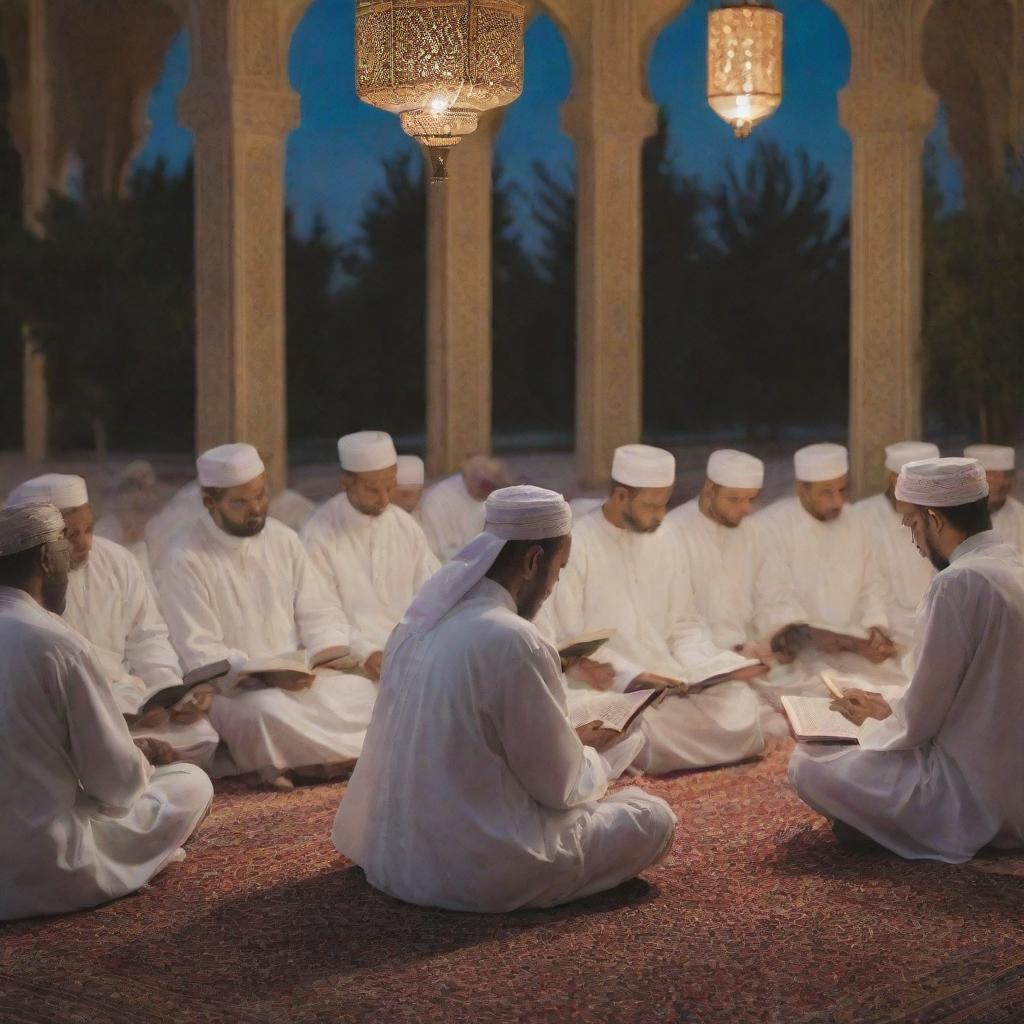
point(299, 663)
point(812, 720)
point(615, 711)
point(584, 646)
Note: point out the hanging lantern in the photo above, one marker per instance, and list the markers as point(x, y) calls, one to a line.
point(744, 64)
point(439, 64)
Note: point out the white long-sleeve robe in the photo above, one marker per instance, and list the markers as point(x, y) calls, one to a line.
point(905, 572)
point(942, 776)
point(238, 598)
point(636, 584)
point(374, 563)
point(110, 604)
point(450, 516)
point(835, 578)
point(474, 791)
point(742, 591)
point(83, 817)
point(1008, 523)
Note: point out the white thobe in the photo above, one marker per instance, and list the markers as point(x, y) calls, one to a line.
point(474, 791)
point(905, 571)
point(1008, 523)
point(238, 598)
point(835, 578)
point(374, 563)
point(635, 584)
point(941, 777)
point(109, 526)
point(450, 516)
point(741, 590)
point(110, 604)
point(83, 817)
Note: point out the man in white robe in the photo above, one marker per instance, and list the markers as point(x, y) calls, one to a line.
point(452, 511)
point(937, 774)
point(84, 816)
point(111, 605)
point(906, 574)
point(134, 503)
point(626, 574)
point(238, 586)
point(999, 462)
point(410, 477)
point(741, 591)
point(835, 576)
point(372, 553)
point(496, 803)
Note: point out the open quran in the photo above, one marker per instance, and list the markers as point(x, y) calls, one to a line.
point(812, 720)
point(615, 711)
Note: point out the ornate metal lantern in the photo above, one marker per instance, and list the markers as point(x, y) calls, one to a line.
point(439, 64)
point(744, 64)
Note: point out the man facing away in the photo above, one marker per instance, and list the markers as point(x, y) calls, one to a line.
point(237, 586)
point(906, 574)
point(372, 553)
point(999, 462)
point(497, 803)
point(110, 603)
point(452, 511)
point(84, 817)
point(626, 575)
point(937, 773)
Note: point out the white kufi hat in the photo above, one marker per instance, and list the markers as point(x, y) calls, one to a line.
point(60, 489)
point(819, 462)
point(730, 468)
point(997, 457)
point(942, 483)
point(640, 465)
point(27, 525)
point(411, 472)
point(899, 454)
point(366, 451)
point(229, 465)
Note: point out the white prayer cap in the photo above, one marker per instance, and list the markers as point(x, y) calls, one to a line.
point(942, 483)
point(410, 471)
point(819, 462)
point(58, 489)
point(640, 465)
point(730, 468)
point(27, 525)
point(525, 512)
point(229, 465)
point(899, 454)
point(997, 457)
point(366, 451)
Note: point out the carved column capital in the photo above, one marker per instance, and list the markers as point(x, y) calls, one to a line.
point(887, 105)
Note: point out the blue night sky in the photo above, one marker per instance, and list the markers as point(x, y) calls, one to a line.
point(334, 156)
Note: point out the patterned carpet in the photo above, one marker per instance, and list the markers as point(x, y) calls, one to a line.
point(756, 916)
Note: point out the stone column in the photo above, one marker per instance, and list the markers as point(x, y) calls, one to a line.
point(27, 45)
point(608, 117)
point(240, 106)
point(887, 110)
point(459, 303)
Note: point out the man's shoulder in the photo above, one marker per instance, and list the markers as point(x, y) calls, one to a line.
point(41, 632)
point(487, 624)
point(325, 519)
point(114, 557)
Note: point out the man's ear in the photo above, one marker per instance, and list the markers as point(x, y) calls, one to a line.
point(534, 556)
point(936, 519)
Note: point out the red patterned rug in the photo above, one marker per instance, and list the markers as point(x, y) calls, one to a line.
point(756, 916)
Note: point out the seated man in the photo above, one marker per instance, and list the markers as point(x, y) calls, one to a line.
point(938, 773)
point(906, 574)
point(237, 586)
point(626, 575)
point(834, 576)
point(495, 803)
point(111, 605)
point(84, 817)
point(409, 482)
point(999, 462)
point(452, 511)
point(372, 553)
point(133, 504)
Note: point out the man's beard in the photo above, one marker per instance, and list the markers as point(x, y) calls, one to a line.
point(634, 527)
point(827, 517)
point(55, 593)
point(250, 528)
point(530, 599)
point(370, 510)
point(938, 562)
